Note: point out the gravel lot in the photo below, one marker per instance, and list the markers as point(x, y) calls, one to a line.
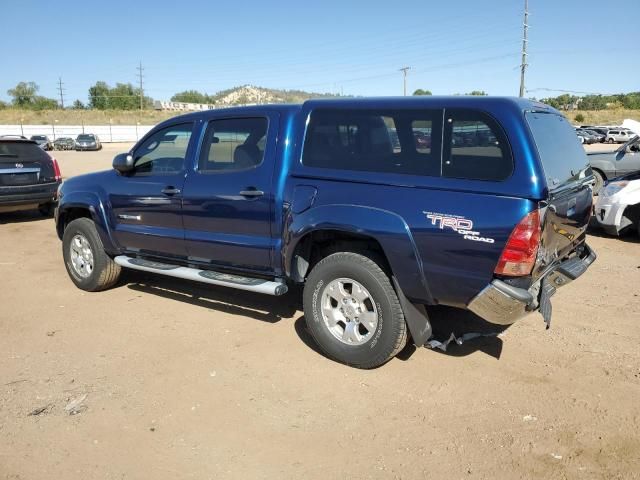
point(159, 378)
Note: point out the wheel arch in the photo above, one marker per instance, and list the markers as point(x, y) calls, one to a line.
point(87, 205)
point(331, 228)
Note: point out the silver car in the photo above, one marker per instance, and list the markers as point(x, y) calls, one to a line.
point(619, 136)
point(88, 141)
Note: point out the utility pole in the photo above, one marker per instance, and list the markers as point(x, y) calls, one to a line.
point(404, 71)
point(524, 65)
point(61, 90)
point(140, 69)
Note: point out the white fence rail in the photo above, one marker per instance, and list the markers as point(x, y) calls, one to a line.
point(106, 133)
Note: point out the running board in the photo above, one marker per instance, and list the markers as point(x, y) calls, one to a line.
point(258, 285)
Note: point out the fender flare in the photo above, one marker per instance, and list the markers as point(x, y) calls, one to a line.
point(88, 201)
point(386, 227)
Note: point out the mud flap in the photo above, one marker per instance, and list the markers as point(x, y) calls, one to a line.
point(546, 293)
point(416, 317)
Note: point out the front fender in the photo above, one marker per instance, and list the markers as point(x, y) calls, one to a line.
point(92, 202)
point(387, 228)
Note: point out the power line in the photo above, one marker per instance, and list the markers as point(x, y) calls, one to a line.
point(524, 65)
point(404, 71)
point(61, 90)
point(140, 69)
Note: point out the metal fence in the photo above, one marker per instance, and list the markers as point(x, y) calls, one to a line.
point(106, 133)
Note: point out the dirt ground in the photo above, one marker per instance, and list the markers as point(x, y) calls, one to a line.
point(165, 379)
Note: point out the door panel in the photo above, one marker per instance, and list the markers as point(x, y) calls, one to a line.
point(147, 204)
point(228, 202)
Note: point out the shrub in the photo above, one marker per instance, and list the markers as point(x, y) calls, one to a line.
point(579, 118)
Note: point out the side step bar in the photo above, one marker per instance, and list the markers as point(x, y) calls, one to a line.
point(258, 285)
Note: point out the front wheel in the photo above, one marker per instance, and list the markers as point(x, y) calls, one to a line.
point(352, 310)
point(88, 265)
point(599, 182)
point(610, 140)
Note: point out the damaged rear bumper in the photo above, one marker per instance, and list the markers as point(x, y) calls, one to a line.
point(504, 304)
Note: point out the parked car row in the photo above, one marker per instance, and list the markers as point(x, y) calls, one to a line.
point(84, 141)
point(588, 134)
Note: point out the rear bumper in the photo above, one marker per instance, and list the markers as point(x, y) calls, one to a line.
point(504, 304)
point(16, 196)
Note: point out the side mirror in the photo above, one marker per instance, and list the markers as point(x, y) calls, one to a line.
point(123, 162)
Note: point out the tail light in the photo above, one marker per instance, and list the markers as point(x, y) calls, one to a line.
point(56, 169)
point(519, 254)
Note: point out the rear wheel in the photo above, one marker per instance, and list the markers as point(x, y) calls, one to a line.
point(88, 265)
point(352, 310)
point(610, 140)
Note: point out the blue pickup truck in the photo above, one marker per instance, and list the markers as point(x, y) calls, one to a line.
point(380, 207)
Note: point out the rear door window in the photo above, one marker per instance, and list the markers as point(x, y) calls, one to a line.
point(476, 147)
point(374, 140)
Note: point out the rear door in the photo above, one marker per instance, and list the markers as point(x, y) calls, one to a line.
point(228, 196)
point(568, 177)
point(147, 203)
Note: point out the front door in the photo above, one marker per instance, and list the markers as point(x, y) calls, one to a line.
point(147, 203)
point(228, 200)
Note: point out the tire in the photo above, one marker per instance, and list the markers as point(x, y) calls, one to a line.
point(599, 182)
point(610, 140)
point(363, 342)
point(47, 209)
point(104, 272)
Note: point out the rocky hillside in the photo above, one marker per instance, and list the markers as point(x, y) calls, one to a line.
point(247, 94)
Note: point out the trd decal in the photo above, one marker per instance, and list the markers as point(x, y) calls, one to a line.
point(458, 224)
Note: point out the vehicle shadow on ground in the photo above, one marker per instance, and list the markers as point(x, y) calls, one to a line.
point(444, 322)
point(227, 300)
point(22, 216)
point(627, 236)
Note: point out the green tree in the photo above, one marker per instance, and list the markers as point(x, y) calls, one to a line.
point(123, 96)
point(191, 96)
point(78, 105)
point(422, 92)
point(44, 103)
point(477, 93)
point(3, 105)
point(99, 96)
point(23, 94)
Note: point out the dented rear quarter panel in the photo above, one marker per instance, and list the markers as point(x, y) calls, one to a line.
point(434, 264)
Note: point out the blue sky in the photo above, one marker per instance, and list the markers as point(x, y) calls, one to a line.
point(355, 47)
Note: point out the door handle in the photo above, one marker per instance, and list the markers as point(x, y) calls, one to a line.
point(251, 193)
point(170, 191)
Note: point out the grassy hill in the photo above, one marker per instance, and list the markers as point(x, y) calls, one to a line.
point(235, 96)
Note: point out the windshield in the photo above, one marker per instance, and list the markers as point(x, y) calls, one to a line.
point(85, 137)
point(562, 156)
point(38, 137)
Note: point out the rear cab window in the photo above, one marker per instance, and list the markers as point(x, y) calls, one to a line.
point(563, 158)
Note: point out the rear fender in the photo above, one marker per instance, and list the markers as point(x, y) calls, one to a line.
point(387, 228)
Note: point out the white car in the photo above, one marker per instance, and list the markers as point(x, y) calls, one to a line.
point(619, 136)
point(617, 209)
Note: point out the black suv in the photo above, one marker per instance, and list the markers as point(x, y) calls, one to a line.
point(29, 177)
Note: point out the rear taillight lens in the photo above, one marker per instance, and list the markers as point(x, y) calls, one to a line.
point(56, 169)
point(519, 254)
